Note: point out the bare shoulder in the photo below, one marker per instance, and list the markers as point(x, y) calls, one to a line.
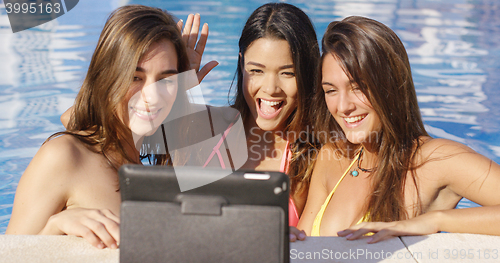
point(47, 183)
point(455, 167)
point(58, 157)
point(332, 157)
point(65, 149)
point(449, 160)
point(325, 156)
point(57, 167)
point(330, 163)
point(443, 152)
point(438, 147)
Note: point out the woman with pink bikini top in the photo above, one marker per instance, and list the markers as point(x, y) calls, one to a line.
point(276, 76)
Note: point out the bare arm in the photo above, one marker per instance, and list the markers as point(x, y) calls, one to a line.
point(43, 193)
point(42, 190)
point(461, 171)
point(475, 177)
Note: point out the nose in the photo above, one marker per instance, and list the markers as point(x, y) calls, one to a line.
point(345, 103)
point(271, 84)
point(150, 93)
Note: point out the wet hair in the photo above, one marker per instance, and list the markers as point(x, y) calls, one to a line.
point(286, 22)
point(374, 58)
point(127, 35)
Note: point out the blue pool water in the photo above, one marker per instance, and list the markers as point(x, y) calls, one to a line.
point(454, 49)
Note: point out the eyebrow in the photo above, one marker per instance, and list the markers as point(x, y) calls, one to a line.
point(263, 66)
point(351, 83)
point(165, 72)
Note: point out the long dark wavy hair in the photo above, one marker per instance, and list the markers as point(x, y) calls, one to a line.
point(126, 37)
point(287, 22)
point(374, 58)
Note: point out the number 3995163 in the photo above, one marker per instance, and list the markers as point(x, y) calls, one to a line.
point(33, 8)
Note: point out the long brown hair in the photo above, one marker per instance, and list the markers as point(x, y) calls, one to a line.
point(126, 37)
point(287, 22)
point(374, 58)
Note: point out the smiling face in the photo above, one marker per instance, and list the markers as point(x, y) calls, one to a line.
point(347, 103)
point(270, 87)
point(153, 90)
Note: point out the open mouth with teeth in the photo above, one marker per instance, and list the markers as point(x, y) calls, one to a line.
point(146, 115)
point(269, 108)
point(354, 120)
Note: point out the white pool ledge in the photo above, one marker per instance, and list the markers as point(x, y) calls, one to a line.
point(431, 248)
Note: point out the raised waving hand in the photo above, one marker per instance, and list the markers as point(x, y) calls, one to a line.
point(194, 46)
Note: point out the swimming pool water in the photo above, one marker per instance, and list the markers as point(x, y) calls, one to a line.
point(454, 49)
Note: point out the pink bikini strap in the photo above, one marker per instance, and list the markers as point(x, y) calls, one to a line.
point(285, 159)
point(216, 148)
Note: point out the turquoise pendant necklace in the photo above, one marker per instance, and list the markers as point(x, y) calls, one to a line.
point(355, 173)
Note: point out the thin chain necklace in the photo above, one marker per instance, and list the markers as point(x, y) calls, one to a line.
point(355, 173)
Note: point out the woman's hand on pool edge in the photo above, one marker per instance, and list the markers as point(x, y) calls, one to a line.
point(417, 226)
point(100, 227)
point(195, 49)
point(296, 234)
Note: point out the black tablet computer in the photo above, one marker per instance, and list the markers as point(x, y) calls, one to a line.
point(242, 217)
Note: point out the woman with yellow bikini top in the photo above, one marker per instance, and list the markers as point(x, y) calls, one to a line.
point(401, 181)
point(319, 217)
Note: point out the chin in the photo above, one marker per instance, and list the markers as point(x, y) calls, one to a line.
point(147, 131)
point(267, 125)
point(356, 138)
point(151, 132)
